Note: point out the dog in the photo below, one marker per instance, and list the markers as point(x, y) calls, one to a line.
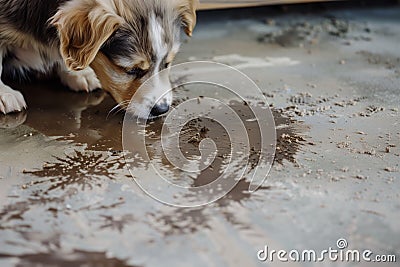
point(115, 45)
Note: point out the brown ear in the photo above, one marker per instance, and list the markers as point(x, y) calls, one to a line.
point(187, 11)
point(83, 27)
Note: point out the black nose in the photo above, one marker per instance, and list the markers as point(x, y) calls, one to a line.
point(159, 109)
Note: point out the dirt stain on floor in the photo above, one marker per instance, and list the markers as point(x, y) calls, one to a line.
point(311, 32)
point(75, 258)
point(83, 169)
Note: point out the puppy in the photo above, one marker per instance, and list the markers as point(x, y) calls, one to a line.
point(111, 44)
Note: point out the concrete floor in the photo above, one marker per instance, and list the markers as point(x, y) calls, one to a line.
point(333, 79)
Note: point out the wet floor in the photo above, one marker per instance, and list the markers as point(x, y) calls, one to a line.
point(332, 82)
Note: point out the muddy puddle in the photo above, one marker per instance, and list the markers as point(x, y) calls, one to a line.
point(97, 162)
point(85, 119)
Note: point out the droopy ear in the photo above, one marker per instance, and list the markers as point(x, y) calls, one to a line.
point(83, 26)
point(187, 12)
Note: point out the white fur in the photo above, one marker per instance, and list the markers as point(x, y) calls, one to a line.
point(157, 34)
point(156, 90)
point(124, 62)
point(10, 100)
point(160, 89)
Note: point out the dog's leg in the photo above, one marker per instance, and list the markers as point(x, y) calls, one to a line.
point(84, 80)
point(10, 100)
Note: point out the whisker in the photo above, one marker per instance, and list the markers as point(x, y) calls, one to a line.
point(118, 108)
point(109, 113)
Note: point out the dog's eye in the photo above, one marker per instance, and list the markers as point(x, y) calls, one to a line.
point(167, 65)
point(135, 72)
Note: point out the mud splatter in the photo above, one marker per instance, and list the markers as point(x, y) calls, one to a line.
point(188, 221)
point(62, 259)
point(290, 138)
point(83, 169)
point(13, 213)
point(301, 33)
point(371, 110)
point(388, 61)
point(181, 221)
point(116, 222)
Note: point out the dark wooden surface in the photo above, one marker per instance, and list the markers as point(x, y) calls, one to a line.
point(217, 4)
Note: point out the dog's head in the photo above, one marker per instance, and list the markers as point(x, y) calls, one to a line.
point(126, 42)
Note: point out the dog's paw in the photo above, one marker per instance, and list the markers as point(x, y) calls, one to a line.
point(84, 80)
point(11, 100)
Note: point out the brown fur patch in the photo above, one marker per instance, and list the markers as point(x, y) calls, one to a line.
point(83, 26)
point(187, 10)
point(114, 79)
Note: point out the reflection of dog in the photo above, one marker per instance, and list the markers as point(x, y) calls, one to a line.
point(113, 44)
point(60, 113)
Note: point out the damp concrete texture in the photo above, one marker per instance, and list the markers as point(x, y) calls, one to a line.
point(331, 75)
